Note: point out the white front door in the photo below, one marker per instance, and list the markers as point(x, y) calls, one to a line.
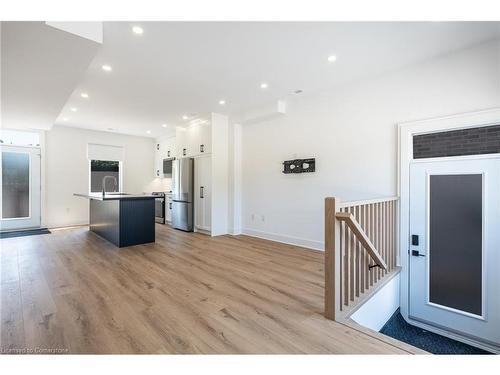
point(455, 246)
point(19, 188)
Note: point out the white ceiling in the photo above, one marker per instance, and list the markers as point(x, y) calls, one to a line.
point(40, 68)
point(177, 68)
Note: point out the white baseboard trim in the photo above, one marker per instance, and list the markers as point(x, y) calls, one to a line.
point(202, 231)
point(67, 225)
point(234, 232)
point(310, 244)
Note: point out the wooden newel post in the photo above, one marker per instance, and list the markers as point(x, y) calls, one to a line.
point(332, 266)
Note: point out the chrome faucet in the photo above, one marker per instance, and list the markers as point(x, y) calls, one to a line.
point(104, 183)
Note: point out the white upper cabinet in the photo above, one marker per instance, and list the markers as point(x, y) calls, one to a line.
point(158, 167)
point(195, 140)
point(164, 148)
point(169, 148)
point(181, 140)
point(204, 139)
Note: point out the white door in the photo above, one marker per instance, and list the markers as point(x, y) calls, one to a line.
point(20, 188)
point(455, 247)
point(203, 196)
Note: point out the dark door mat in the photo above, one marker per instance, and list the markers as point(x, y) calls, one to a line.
point(22, 233)
point(396, 327)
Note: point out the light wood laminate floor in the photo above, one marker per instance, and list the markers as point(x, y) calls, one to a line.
point(72, 291)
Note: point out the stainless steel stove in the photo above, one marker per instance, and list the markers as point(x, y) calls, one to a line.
point(159, 207)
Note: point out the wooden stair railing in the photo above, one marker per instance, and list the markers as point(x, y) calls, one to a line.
point(360, 252)
point(360, 234)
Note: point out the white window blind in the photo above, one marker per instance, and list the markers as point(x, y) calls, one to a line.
point(105, 152)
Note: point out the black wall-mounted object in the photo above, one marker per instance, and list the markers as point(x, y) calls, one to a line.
point(299, 166)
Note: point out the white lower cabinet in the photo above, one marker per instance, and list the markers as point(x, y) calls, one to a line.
point(203, 193)
point(168, 209)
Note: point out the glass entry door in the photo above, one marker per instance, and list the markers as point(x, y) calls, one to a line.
point(455, 247)
point(19, 188)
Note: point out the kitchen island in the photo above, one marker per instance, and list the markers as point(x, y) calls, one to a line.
point(122, 219)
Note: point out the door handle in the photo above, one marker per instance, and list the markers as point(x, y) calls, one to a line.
point(202, 148)
point(170, 205)
point(201, 192)
point(416, 253)
point(168, 154)
point(183, 152)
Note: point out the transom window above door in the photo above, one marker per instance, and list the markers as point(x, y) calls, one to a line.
point(471, 141)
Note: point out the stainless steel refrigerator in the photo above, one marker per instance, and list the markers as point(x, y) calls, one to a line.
point(182, 194)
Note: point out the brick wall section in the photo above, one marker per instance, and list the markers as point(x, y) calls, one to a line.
point(473, 141)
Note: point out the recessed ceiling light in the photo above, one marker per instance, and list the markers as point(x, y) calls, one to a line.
point(148, 131)
point(137, 30)
point(73, 109)
point(65, 119)
point(163, 125)
point(263, 85)
point(332, 58)
point(185, 117)
point(107, 68)
point(84, 95)
point(222, 102)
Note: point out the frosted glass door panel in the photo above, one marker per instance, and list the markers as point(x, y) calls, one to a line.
point(15, 185)
point(20, 204)
point(455, 253)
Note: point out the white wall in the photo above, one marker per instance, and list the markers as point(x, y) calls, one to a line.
point(220, 174)
point(380, 307)
point(67, 171)
point(351, 132)
point(235, 161)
